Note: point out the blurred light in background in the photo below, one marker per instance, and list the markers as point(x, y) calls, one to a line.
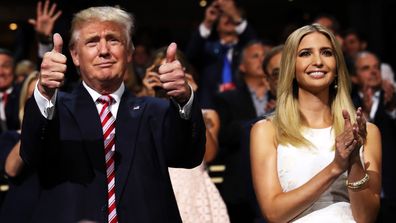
point(13, 26)
point(203, 3)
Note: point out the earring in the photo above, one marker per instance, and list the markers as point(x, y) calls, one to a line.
point(335, 84)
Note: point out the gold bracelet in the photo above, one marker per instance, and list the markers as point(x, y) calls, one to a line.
point(358, 184)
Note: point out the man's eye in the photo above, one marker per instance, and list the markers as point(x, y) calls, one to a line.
point(114, 41)
point(91, 43)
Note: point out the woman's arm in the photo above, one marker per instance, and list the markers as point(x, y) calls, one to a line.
point(212, 123)
point(365, 201)
point(14, 163)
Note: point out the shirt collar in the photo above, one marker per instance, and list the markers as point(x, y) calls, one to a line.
point(376, 94)
point(116, 95)
point(8, 91)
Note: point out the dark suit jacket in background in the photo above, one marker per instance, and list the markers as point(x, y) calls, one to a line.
point(206, 57)
point(387, 127)
point(235, 108)
point(12, 109)
point(68, 152)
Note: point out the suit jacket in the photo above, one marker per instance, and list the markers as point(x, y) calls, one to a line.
point(68, 152)
point(206, 56)
point(387, 127)
point(234, 108)
point(12, 109)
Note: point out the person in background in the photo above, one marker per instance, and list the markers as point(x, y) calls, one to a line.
point(102, 154)
point(330, 22)
point(141, 59)
point(355, 42)
point(316, 159)
point(23, 193)
point(214, 48)
point(197, 197)
point(271, 67)
point(9, 93)
point(23, 69)
point(236, 107)
point(377, 98)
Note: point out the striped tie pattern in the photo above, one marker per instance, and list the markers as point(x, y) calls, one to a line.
point(108, 126)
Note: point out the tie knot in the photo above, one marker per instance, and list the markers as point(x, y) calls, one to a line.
point(106, 99)
point(3, 96)
point(225, 48)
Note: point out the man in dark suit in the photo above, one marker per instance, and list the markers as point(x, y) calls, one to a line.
point(236, 107)
point(214, 48)
point(378, 101)
point(9, 93)
point(9, 107)
point(89, 168)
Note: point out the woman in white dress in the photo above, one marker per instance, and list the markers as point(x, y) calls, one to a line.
point(316, 159)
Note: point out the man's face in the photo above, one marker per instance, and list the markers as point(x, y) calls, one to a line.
point(352, 45)
point(101, 54)
point(368, 71)
point(326, 22)
point(6, 71)
point(226, 25)
point(273, 68)
point(252, 61)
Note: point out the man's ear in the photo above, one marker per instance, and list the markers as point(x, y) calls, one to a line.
point(74, 55)
point(130, 56)
point(242, 68)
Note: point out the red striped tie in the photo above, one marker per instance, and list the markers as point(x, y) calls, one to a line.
point(108, 126)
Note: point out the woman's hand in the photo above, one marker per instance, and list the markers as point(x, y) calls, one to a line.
point(150, 81)
point(346, 143)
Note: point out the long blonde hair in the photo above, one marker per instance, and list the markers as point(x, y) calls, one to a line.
point(287, 119)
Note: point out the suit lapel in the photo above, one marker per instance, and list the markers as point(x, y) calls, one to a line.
point(127, 126)
point(84, 110)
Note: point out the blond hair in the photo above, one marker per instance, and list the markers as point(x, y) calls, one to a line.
point(24, 92)
point(103, 14)
point(287, 119)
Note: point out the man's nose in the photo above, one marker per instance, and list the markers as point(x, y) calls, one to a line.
point(103, 47)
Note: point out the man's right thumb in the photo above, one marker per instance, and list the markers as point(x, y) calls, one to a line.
point(58, 43)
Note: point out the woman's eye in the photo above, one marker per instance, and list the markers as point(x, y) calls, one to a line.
point(328, 53)
point(304, 53)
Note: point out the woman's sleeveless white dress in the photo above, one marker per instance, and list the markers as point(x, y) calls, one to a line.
point(298, 165)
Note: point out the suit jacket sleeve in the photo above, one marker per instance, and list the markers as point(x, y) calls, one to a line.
point(39, 139)
point(184, 140)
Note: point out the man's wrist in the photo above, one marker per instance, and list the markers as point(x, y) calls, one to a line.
point(42, 38)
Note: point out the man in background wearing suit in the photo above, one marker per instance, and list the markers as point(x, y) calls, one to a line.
point(9, 106)
point(102, 155)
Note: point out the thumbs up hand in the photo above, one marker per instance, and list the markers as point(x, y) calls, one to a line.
point(173, 78)
point(53, 68)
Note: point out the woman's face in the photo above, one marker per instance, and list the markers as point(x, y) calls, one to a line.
point(315, 63)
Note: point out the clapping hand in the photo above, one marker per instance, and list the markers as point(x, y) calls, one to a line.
point(350, 140)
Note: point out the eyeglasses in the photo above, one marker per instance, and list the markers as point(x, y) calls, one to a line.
point(274, 74)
